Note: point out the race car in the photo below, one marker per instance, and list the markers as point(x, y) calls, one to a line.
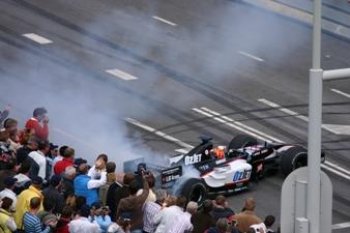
point(207, 170)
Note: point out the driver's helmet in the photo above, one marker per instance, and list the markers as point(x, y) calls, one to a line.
point(218, 152)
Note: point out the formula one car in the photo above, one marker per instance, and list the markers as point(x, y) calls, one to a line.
point(207, 170)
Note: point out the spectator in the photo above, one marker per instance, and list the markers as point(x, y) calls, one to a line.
point(269, 221)
point(39, 157)
point(151, 182)
point(23, 152)
point(81, 223)
point(118, 191)
point(221, 209)
point(182, 223)
point(10, 126)
point(203, 220)
point(24, 199)
point(87, 187)
point(111, 178)
point(151, 209)
point(31, 221)
point(7, 223)
point(53, 153)
point(46, 216)
point(23, 180)
point(164, 220)
point(59, 156)
point(66, 217)
point(79, 202)
point(52, 193)
point(38, 124)
point(68, 182)
point(67, 161)
point(10, 183)
point(8, 171)
point(132, 205)
point(48, 206)
point(247, 217)
point(222, 226)
point(103, 219)
point(99, 166)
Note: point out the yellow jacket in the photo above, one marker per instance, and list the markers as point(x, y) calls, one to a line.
point(6, 222)
point(23, 202)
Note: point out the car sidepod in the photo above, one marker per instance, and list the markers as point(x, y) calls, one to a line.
point(231, 176)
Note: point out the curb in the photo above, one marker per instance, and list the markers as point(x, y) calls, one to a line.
point(299, 15)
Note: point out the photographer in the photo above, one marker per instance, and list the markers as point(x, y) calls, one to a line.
point(131, 206)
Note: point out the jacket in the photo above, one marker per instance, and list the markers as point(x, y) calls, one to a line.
point(7, 224)
point(81, 189)
point(245, 219)
point(23, 202)
point(41, 131)
point(132, 206)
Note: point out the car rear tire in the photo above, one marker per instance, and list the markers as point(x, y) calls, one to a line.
point(194, 190)
point(241, 141)
point(292, 159)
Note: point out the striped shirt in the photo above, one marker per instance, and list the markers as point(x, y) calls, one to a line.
point(150, 209)
point(32, 224)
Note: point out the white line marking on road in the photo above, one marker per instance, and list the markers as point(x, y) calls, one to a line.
point(341, 226)
point(121, 74)
point(341, 93)
point(328, 165)
point(284, 110)
point(337, 167)
point(204, 113)
point(335, 171)
point(228, 119)
point(164, 21)
point(251, 56)
point(336, 129)
point(37, 38)
point(158, 133)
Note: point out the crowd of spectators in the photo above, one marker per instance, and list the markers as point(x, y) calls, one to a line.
point(46, 188)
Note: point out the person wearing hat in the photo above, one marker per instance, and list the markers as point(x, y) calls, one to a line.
point(53, 193)
point(23, 200)
point(10, 184)
point(7, 223)
point(81, 223)
point(247, 217)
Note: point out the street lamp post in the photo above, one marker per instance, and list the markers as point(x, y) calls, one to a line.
point(315, 121)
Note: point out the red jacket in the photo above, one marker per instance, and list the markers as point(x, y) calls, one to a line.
point(41, 131)
point(60, 166)
point(62, 226)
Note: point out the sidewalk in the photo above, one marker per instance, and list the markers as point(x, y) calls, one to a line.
point(335, 15)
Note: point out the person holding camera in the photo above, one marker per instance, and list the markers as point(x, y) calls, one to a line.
point(131, 206)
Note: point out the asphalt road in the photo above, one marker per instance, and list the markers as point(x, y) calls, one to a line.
point(189, 58)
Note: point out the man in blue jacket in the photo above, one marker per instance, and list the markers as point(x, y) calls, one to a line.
point(87, 187)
